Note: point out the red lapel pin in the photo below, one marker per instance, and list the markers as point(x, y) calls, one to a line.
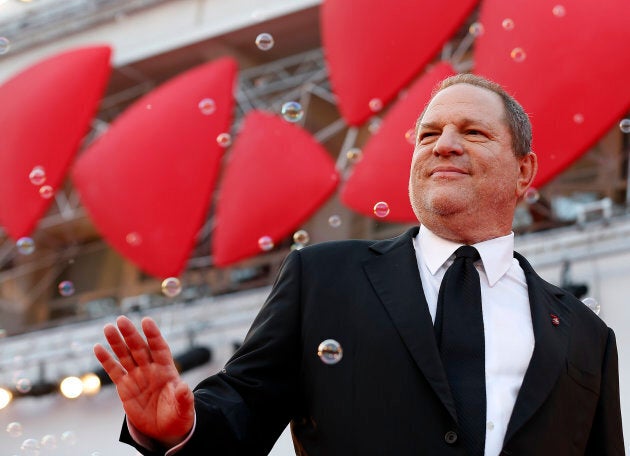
point(555, 320)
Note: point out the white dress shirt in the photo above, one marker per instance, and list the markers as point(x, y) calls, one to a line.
point(507, 321)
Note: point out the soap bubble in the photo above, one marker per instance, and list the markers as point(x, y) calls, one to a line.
point(301, 237)
point(624, 126)
point(224, 140)
point(265, 243)
point(66, 288)
point(207, 106)
point(37, 176)
point(334, 221)
point(507, 24)
point(264, 41)
point(292, 111)
point(559, 11)
point(592, 304)
point(171, 287)
point(531, 196)
point(375, 104)
point(15, 429)
point(46, 191)
point(330, 351)
point(476, 29)
point(518, 54)
point(25, 245)
point(381, 209)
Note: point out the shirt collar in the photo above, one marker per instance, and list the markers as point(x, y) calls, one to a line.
point(496, 254)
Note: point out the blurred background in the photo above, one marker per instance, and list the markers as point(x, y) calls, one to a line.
point(161, 157)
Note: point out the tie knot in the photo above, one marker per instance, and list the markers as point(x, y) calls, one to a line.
point(467, 251)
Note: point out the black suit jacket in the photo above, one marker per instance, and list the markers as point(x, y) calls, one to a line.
point(389, 394)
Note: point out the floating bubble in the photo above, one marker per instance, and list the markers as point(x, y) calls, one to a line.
point(264, 41)
point(375, 104)
point(37, 176)
point(15, 429)
point(381, 209)
point(296, 246)
point(66, 288)
point(292, 111)
point(265, 243)
point(410, 136)
point(133, 238)
point(69, 438)
point(30, 447)
point(578, 118)
point(48, 442)
point(507, 24)
point(624, 126)
point(476, 29)
point(5, 45)
point(531, 196)
point(518, 54)
point(25, 245)
point(334, 221)
point(23, 385)
point(374, 124)
point(46, 191)
point(149, 107)
point(171, 287)
point(224, 139)
point(592, 304)
point(301, 237)
point(559, 11)
point(354, 155)
point(330, 351)
point(207, 106)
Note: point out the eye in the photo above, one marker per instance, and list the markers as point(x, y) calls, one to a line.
point(474, 132)
point(426, 136)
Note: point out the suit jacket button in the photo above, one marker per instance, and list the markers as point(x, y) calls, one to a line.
point(450, 437)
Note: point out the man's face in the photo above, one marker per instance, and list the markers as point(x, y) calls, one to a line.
point(463, 162)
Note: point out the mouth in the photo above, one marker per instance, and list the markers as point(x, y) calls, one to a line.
point(447, 171)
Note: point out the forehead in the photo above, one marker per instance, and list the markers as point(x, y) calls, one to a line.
point(466, 101)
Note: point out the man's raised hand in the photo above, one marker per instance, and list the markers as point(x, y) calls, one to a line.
point(156, 400)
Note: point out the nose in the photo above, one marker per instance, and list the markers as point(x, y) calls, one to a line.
point(448, 143)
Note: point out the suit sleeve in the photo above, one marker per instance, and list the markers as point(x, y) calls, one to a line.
point(606, 437)
point(243, 409)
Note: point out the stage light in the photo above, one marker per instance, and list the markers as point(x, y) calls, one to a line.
point(91, 384)
point(5, 397)
point(71, 387)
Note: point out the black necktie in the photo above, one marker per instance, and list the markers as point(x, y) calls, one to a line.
point(459, 333)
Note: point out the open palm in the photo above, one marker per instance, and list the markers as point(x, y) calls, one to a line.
point(156, 400)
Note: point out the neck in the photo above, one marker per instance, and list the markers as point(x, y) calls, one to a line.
point(464, 230)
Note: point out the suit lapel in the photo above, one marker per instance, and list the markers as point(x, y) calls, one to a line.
point(550, 349)
point(395, 277)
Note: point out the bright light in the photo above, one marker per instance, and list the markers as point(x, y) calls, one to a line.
point(91, 384)
point(71, 387)
point(5, 397)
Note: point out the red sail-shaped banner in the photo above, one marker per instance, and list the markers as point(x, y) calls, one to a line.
point(373, 48)
point(276, 177)
point(45, 112)
point(383, 172)
point(567, 63)
point(147, 182)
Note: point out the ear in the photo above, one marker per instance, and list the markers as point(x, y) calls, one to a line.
point(528, 166)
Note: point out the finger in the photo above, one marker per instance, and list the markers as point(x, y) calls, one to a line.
point(119, 347)
point(160, 351)
point(112, 367)
point(185, 401)
point(137, 346)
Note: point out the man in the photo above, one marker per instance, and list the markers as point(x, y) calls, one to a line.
point(549, 381)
